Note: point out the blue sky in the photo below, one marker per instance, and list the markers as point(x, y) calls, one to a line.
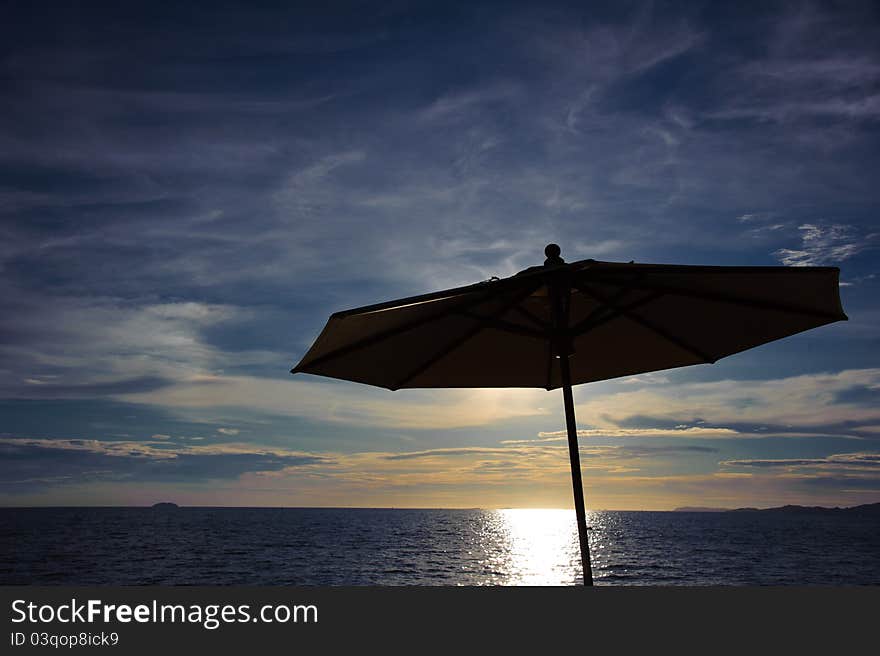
point(187, 193)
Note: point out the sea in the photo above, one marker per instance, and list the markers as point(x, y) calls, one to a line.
point(396, 547)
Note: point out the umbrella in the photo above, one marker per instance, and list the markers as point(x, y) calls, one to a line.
point(560, 324)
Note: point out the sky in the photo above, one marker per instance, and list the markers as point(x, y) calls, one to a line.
point(188, 192)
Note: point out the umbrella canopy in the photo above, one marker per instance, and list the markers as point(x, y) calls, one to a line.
point(562, 324)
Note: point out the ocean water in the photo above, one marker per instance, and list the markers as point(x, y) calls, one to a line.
point(312, 546)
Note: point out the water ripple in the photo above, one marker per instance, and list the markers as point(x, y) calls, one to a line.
point(303, 546)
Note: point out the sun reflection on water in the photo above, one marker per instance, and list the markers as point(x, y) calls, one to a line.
point(542, 546)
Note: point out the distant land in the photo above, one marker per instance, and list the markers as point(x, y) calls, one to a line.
point(165, 505)
point(865, 509)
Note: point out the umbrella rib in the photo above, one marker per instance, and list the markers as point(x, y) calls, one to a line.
point(494, 283)
point(727, 298)
point(500, 324)
point(449, 348)
point(649, 325)
point(597, 312)
point(590, 323)
point(414, 300)
point(391, 332)
point(543, 325)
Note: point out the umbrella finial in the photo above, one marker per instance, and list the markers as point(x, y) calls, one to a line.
point(552, 252)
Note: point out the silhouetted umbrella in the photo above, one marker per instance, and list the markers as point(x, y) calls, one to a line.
point(559, 325)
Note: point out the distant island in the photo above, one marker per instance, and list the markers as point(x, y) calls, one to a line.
point(165, 505)
point(865, 509)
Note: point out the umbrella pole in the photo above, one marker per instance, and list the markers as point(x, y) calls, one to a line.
point(576, 481)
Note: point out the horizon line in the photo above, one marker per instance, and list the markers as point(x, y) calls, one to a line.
point(676, 509)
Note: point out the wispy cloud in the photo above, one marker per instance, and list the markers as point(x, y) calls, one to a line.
point(839, 462)
point(826, 244)
point(819, 66)
point(617, 476)
point(159, 449)
point(689, 431)
point(613, 50)
point(755, 217)
point(63, 347)
point(685, 432)
point(797, 402)
point(348, 403)
point(33, 464)
point(456, 105)
point(863, 108)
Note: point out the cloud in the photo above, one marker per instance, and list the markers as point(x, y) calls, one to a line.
point(493, 465)
point(349, 403)
point(754, 217)
point(446, 453)
point(70, 347)
point(29, 464)
point(621, 476)
point(825, 244)
point(457, 105)
point(607, 51)
point(688, 432)
point(526, 448)
point(836, 71)
point(650, 378)
point(616, 476)
point(160, 450)
point(811, 401)
point(840, 462)
point(857, 280)
point(819, 66)
point(798, 402)
point(863, 108)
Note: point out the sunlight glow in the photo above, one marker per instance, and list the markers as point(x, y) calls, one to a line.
point(543, 546)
